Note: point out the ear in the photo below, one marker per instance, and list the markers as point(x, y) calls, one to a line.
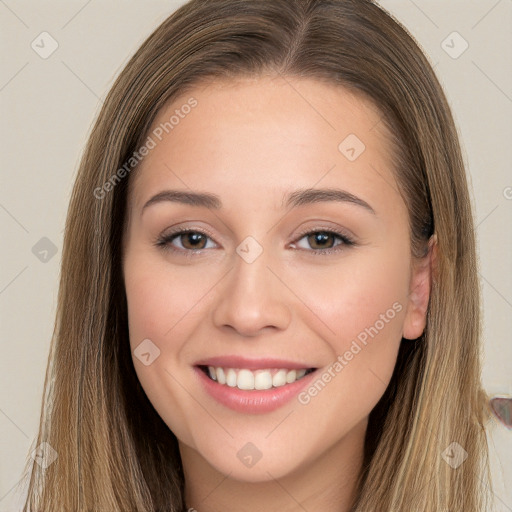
point(419, 292)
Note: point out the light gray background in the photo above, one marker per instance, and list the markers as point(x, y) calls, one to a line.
point(47, 108)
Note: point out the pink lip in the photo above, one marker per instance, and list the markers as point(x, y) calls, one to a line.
point(252, 401)
point(251, 364)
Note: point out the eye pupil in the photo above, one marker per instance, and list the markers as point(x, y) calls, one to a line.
point(319, 237)
point(194, 239)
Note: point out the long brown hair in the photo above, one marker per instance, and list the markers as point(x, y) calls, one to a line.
point(115, 453)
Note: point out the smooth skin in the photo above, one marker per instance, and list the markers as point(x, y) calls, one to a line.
point(305, 298)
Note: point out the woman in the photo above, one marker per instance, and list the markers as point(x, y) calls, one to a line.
point(269, 294)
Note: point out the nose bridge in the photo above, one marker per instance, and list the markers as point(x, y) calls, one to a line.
point(252, 298)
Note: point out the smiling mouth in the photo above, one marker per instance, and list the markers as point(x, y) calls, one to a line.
point(247, 380)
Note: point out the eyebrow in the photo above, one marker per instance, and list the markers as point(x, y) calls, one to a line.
point(296, 198)
point(316, 195)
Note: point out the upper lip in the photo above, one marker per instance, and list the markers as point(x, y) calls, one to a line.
point(251, 364)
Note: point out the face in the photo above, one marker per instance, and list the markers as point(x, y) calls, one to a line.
point(265, 315)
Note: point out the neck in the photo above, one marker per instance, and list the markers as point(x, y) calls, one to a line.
point(327, 483)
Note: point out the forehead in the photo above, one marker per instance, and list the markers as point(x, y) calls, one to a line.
point(265, 131)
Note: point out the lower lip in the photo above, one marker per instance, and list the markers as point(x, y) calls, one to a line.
point(252, 401)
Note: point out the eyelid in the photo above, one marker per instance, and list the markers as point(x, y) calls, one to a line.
point(326, 229)
point(165, 241)
point(347, 241)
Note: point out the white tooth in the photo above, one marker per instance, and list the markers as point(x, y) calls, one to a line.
point(221, 378)
point(211, 371)
point(291, 376)
point(245, 379)
point(231, 378)
point(300, 374)
point(263, 380)
point(279, 379)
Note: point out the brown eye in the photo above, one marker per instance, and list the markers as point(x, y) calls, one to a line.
point(185, 241)
point(193, 240)
point(321, 240)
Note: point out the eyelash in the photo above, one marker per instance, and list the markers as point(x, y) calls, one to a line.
point(164, 242)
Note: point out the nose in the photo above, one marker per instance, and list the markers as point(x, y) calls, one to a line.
point(252, 299)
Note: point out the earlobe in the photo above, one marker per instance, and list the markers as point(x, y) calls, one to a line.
point(419, 293)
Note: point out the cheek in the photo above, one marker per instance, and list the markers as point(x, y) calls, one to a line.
point(364, 305)
point(161, 307)
point(158, 300)
point(363, 291)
